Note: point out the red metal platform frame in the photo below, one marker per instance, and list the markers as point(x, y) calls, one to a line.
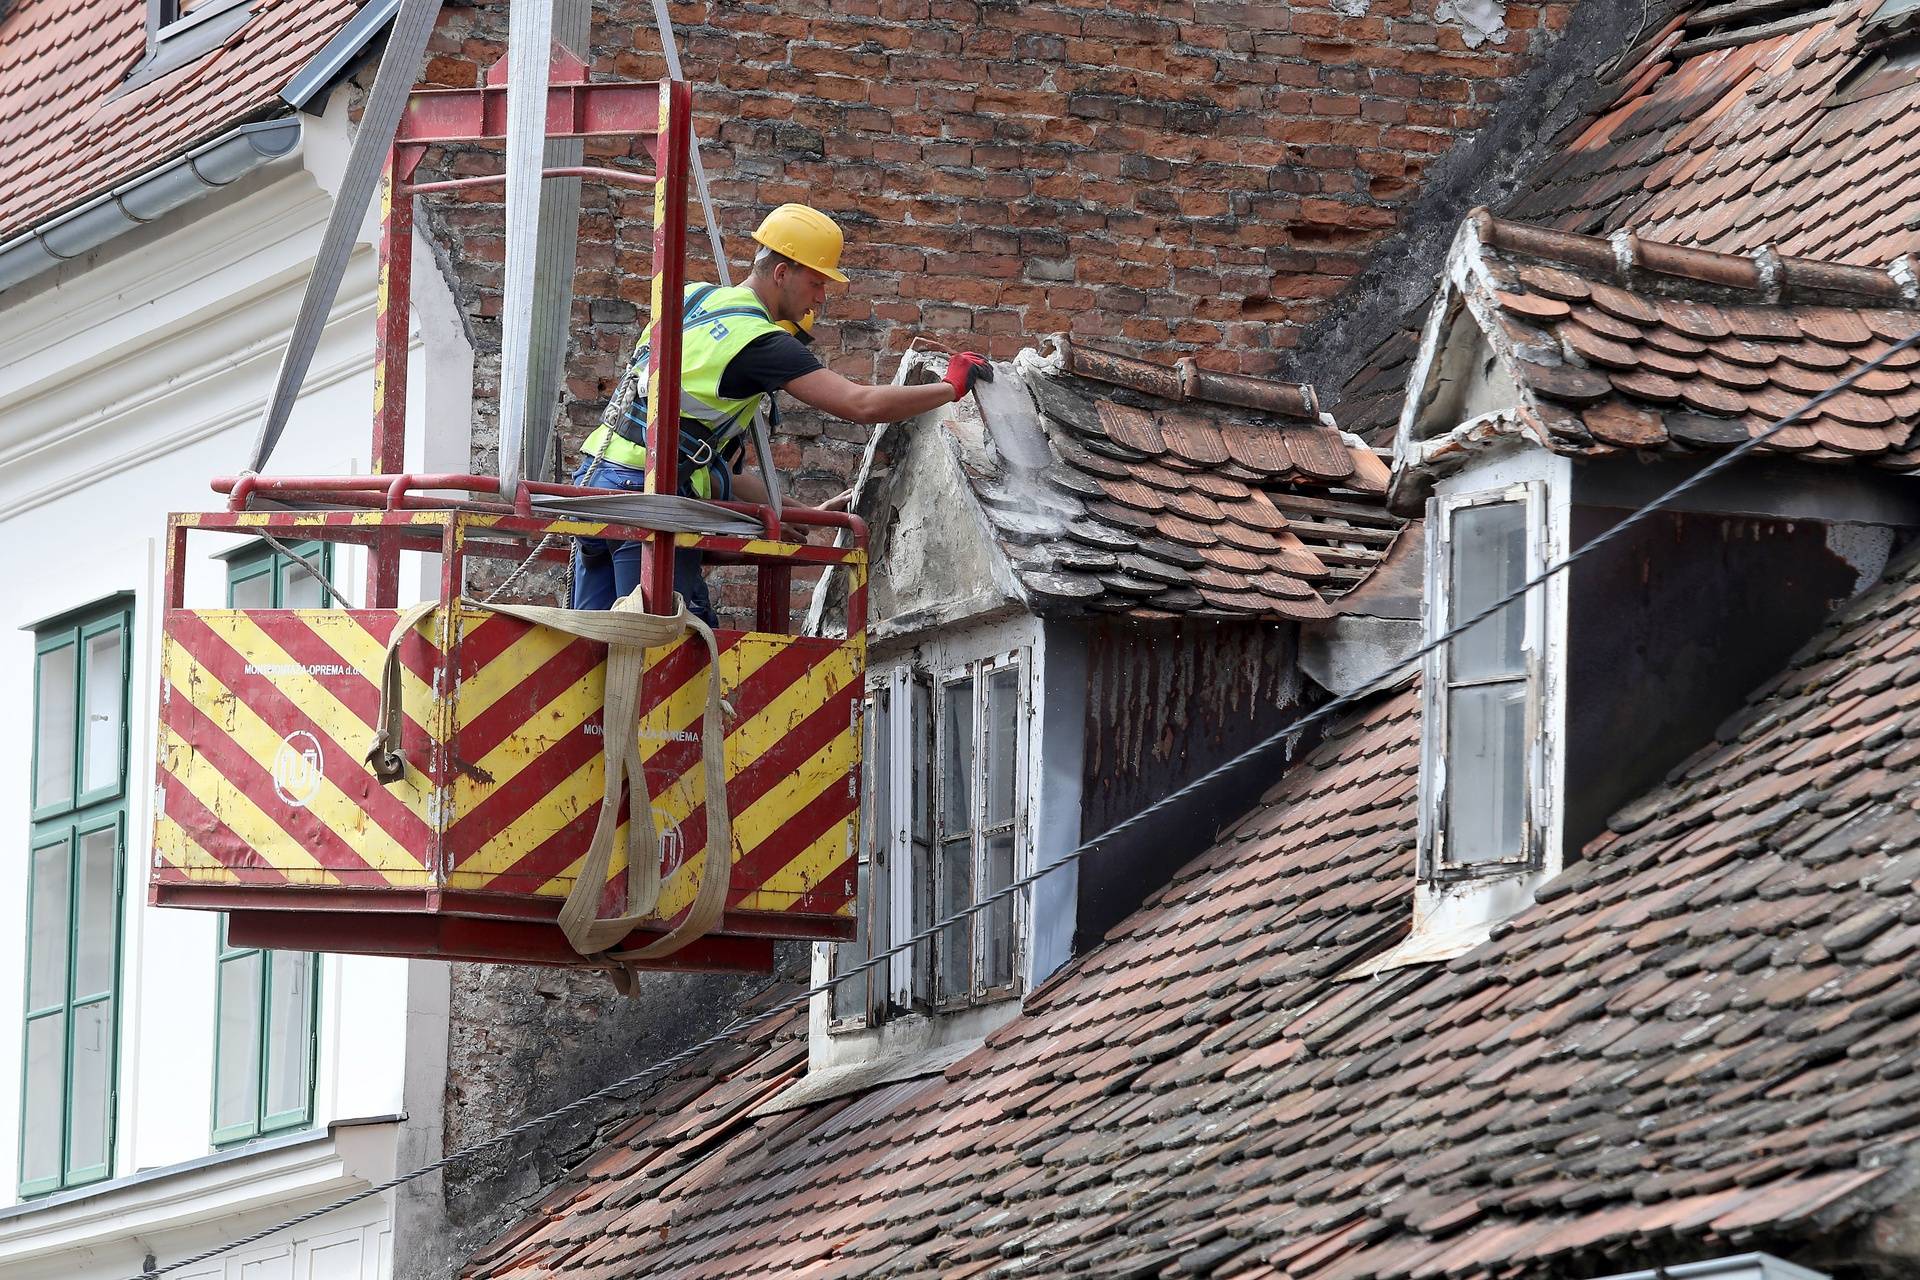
point(661, 114)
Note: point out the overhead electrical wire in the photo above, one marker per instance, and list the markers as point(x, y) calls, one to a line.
point(1385, 680)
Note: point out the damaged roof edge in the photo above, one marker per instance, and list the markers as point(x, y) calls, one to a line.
point(1186, 380)
point(146, 198)
point(1626, 258)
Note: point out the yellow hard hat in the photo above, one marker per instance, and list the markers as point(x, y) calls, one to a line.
point(808, 236)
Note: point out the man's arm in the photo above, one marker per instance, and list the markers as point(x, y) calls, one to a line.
point(855, 402)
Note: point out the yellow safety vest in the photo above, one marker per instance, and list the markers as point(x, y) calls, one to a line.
point(716, 325)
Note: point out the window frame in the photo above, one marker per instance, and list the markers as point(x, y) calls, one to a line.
point(1438, 684)
point(249, 561)
point(258, 559)
point(912, 980)
point(82, 812)
point(263, 1123)
point(174, 40)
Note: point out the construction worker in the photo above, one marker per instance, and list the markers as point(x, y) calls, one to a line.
point(738, 346)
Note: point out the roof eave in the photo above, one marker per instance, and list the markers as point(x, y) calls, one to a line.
point(147, 198)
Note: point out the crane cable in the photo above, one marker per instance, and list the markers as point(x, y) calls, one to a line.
point(789, 1004)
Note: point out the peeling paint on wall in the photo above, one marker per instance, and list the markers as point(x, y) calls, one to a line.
point(1480, 21)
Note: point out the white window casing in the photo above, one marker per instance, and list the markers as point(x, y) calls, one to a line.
point(1466, 883)
point(1484, 758)
point(945, 824)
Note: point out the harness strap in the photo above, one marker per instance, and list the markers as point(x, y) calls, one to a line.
point(628, 632)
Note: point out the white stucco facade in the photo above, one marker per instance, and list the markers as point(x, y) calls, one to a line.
point(127, 380)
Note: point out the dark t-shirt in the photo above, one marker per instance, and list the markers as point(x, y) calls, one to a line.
point(768, 363)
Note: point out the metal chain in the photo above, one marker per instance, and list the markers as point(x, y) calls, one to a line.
point(1385, 680)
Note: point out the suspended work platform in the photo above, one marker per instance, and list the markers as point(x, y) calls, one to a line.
point(269, 810)
point(461, 780)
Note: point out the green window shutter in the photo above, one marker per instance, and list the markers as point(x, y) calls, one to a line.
point(75, 887)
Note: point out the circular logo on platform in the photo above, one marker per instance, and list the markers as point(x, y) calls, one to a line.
point(298, 768)
point(673, 845)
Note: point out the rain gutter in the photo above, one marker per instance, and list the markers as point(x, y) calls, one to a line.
point(141, 200)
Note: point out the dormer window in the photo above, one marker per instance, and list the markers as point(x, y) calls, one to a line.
point(183, 31)
point(944, 826)
point(1483, 688)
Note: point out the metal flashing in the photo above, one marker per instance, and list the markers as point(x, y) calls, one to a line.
point(308, 89)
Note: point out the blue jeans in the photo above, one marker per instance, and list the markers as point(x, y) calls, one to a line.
point(606, 569)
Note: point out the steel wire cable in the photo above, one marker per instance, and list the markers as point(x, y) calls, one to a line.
point(1380, 683)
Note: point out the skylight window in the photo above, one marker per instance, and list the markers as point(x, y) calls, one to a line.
point(184, 31)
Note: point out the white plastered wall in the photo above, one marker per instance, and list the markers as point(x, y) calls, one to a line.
point(127, 380)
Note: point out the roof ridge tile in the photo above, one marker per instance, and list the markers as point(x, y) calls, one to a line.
point(1185, 380)
point(1628, 259)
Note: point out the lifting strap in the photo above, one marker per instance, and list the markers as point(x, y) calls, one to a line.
point(628, 632)
point(392, 86)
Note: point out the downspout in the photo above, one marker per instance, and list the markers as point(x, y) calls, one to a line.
point(152, 195)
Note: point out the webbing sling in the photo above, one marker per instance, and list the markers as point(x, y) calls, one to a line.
point(628, 632)
point(366, 161)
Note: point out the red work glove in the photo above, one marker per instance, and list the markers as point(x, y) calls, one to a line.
point(964, 369)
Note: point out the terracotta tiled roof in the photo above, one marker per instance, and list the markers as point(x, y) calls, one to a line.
point(1700, 1039)
point(1783, 139)
point(64, 138)
point(1190, 492)
point(1724, 141)
point(1685, 349)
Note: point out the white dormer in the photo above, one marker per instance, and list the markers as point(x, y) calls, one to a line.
point(1088, 588)
point(1563, 383)
point(1491, 765)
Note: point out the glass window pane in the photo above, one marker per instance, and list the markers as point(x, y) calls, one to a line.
point(289, 1033)
point(878, 809)
point(955, 894)
point(254, 592)
point(1489, 560)
point(921, 732)
point(93, 950)
point(997, 920)
point(47, 946)
point(922, 888)
point(236, 1102)
point(849, 999)
point(1486, 763)
point(298, 588)
point(878, 912)
point(54, 732)
point(106, 701)
point(1003, 741)
point(956, 757)
point(43, 1106)
point(92, 1080)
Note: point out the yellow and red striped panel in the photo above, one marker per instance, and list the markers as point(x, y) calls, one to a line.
point(265, 718)
point(527, 769)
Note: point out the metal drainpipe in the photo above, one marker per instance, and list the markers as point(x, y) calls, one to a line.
point(152, 195)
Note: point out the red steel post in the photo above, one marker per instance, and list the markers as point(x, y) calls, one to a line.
point(393, 306)
point(663, 372)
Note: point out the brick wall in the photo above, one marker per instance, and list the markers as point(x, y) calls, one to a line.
point(1195, 178)
point(1192, 178)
